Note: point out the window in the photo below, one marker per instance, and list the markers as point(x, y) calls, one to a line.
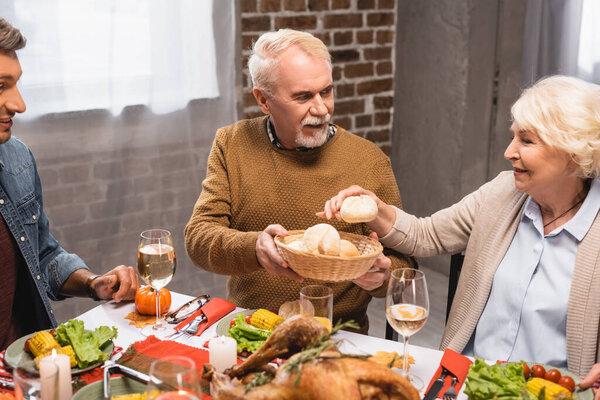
point(588, 60)
point(108, 54)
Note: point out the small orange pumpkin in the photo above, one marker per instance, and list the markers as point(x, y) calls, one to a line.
point(145, 300)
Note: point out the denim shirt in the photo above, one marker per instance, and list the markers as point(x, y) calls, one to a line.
point(21, 207)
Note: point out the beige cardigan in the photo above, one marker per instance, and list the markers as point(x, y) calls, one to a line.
point(482, 225)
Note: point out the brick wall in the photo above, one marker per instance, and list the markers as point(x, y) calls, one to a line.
point(360, 35)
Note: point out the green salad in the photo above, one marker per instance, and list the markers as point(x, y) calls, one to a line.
point(502, 381)
point(87, 345)
point(247, 336)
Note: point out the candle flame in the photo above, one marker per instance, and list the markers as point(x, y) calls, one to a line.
point(53, 353)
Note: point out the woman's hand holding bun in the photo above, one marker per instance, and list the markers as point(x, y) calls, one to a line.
point(379, 219)
point(356, 209)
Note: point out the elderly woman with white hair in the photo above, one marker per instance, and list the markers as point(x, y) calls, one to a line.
point(530, 283)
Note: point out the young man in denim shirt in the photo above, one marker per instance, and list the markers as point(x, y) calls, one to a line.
point(34, 267)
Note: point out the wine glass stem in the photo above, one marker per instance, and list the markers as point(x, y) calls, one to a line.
point(157, 324)
point(405, 357)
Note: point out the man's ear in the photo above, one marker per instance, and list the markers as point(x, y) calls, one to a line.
point(262, 99)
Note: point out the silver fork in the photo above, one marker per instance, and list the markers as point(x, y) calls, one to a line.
point(450, 393)
point(190, 328)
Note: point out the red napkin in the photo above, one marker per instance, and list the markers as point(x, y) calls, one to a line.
point(214, 310)
point(141, 354)
point(5, 375)
point(457, 364)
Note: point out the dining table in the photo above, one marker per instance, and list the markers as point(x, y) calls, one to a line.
point(110, 313)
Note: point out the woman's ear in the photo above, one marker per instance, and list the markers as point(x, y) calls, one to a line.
point(262, 99)
point(573, 161)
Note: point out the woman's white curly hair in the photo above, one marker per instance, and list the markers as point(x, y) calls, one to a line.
point(565, 113)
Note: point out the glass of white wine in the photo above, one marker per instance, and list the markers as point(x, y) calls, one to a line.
point(407, 309)
point(173, 377)
point(156, 265)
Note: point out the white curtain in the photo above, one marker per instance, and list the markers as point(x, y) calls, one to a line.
point(562, 37)
point(108, 54)
point(588, 60)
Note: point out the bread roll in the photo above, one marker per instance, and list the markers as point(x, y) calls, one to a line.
point(289, 309)
point(358, 209)
point(322, 239)
point(348, 249)
point(297, 245)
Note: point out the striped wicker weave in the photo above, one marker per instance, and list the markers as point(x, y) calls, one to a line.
point(329, 268)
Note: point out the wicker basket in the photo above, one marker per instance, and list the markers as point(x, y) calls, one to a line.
point(330, 268)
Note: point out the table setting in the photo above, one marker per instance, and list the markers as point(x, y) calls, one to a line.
point(195, 347)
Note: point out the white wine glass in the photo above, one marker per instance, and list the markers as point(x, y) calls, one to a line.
point(173, 377)
point(407, 309)
point(156, 265)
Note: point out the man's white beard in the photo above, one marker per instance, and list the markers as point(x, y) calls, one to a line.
point(318, 138)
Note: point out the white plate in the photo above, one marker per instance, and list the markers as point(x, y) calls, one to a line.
point(223, 325)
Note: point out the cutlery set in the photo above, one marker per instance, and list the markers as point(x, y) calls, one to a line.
point(185, 311)
point(438, 384)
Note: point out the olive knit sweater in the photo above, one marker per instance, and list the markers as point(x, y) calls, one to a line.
point(250, 184)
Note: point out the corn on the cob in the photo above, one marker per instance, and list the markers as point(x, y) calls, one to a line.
point(553, 390)
point(265, 319)
point(41, 342)
point(66, 350)
point(132, 396)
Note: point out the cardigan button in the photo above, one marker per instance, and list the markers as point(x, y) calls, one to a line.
point(22, 238)
point(1, 201)
point(33, 217)
point(38, 277)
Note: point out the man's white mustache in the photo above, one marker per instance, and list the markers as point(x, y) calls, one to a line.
point(316, 120)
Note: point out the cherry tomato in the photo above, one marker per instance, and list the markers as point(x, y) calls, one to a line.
point(552, 375)
point(526, 371)
point(567, 382)
point(248, 318)
point(232, 323)
point(26, 346)
point(538, 371)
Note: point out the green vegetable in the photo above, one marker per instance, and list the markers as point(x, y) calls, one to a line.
point(502, 381)
point(247, 336)
point(86, 344)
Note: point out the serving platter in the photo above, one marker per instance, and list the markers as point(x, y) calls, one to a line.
point(223, 325)
point(15, 353)
point(118, 386)
point(586, 394)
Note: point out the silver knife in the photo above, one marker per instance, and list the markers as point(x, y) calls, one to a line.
point(437, 385)
point(193, 326)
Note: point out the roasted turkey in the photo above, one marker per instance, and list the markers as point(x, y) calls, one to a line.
point(331, 375)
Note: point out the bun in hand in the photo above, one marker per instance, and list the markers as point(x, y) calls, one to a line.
point(358, 209)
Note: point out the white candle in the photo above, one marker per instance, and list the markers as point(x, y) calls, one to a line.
point(63, 362)
point(222, 352)
point(48, 375)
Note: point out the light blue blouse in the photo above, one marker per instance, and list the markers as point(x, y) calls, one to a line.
point(525, 317)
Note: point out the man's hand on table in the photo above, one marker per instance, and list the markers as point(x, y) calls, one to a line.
point(592, 378)
point(268, 256)
point(377, 274)
point(118, 284)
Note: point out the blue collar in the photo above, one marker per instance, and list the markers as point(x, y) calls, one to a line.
point(577, 226)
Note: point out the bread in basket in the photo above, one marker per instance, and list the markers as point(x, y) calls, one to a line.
point(329, 268)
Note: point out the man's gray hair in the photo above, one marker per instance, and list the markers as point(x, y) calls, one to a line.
point(11, 38)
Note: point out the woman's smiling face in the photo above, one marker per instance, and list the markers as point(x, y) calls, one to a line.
point(539, 169)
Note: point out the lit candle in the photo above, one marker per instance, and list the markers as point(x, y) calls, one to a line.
point(63, 362)
point(222, 352)
point(48, 375)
